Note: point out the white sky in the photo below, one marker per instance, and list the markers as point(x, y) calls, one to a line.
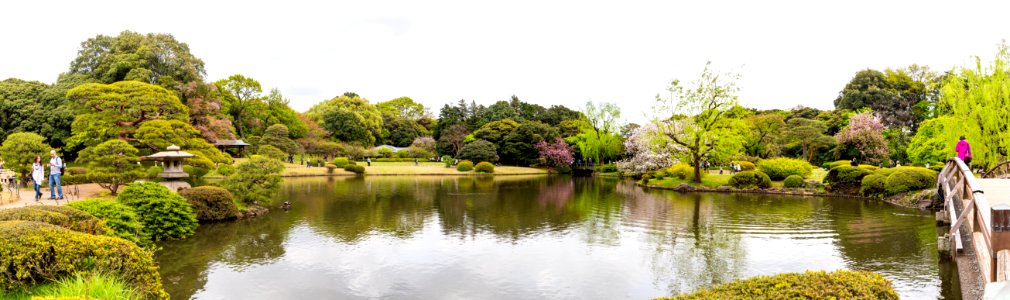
point(546, 52)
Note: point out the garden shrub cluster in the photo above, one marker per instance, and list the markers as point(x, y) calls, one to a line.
point(256, 181)
point(906, 179)
point(464, 166)
point(164, 214)
point(62, 216)
point(681, 171)
point(750, 180)
point(746, 165)
point(447, 160)
point(353, 168)
point(794, 182)
point(841, 284)
point(607, 168)
point(838, 163)
point(124, 222)
point(484, 167)
point(226, 170)
point(395, 159)
point(845, 179)
point(211, 203)
point(195, 172)
point(873, 185)
point(76, 171)
point(34, 252)
point(782, 167)
point(272, 152)
point(340, 162)
point(153, 171)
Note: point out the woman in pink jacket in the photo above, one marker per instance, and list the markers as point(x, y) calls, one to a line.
point(964, 151)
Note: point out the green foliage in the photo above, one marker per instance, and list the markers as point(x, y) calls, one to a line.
point(750, 180)
point(496, 131)
point(256, 182)
point(34, 253)
point(845, 179)
point(484, 167)
point(782, 167)
point(340, 162)
point(153, 171)
point(874, 185)
point(195, 172)
point(277, 135)
point(607, 168)
point(117, 110)
point(122, 219)
point(272, 153)
point(356, 169)
point(841, 284)
point(479, 150)
point(764, 129)
point(33, 106)
point(563, 169)
point(349, 119)
point(934, 142)
point(112, 163)
point(681, 171)
point(746, 165)
point(66, 217)
point(403, 154)
point(976, 98)
point(96, 286)
point(519, 145)
point(226, 170)
point(794, 181)
point(19, 150)
point(384, 152)
point(155, 58)
point(906, 179)
point(156, 135)
point(77, 171)
point(464, 166)
point(211, 203)
point(807, 135)
point(447, 160)
point(164, 214)
point(838, 163)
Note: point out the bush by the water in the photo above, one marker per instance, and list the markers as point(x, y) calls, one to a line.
point(356, 169)
point(464, 166)
point(794, 181)
point(873, 185)
point(164, 213)
point(484, 167)
point(906, 179)
point(226, 170)
point(123, 221)
point(845, 179)
point(256, 181)
point(62, 216)
point(782, 167)
point(841, 284)
point(272, 152)
point(211, 203)
point(746, 165)
point(447, 160)
point(681, 171)
point(607, 168)
point(750, 180)
point(340, 162)
point(34, 253)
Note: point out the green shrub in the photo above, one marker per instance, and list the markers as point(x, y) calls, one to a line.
point(479, 150)
point(607, 168)
point(906, 179)
point(34, 252)
point(194, 172)
point(682, 171)
point(403, 153)
point(256, 181)
point(885, 171)
point(447, 160)
point(62, 216)
point(226, 170)
point(272, 152)
point(123, 221)
point(782, 167)
point(873, 185)
point(563, 169)
point(464, 166)
point(845, 179)
point(869, 167)
point(96, 286)
point(660, 174)
point(484, 167)
point(153, 171)
point(746, 165)
point(164, 214)
point(211, 203)
point(76, 171)
point(794, 181)
point(750, 180)
point(839, 163)
point(841, 284)
point(356, 169)
point(340, 162)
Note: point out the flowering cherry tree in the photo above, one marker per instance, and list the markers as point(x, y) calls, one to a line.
point(557, 153)
point(864, 134)
point(647, 151)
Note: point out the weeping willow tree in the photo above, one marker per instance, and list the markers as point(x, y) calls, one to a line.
point(978, 98)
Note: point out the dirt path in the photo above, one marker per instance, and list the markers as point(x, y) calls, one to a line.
point(27, 195)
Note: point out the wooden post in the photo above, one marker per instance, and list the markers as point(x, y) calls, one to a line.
point(1002, 264)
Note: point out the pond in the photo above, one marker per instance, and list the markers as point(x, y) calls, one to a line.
point(540, 237)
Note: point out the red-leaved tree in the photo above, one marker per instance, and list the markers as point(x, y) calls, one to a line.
point(557, 153)
point(864, 134)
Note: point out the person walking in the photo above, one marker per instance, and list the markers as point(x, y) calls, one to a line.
point(369, 161)
point(38, 172)
point(55, 166)
point(963, 149)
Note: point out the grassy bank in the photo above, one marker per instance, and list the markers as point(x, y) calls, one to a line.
point(713, 180)
point(391, 168)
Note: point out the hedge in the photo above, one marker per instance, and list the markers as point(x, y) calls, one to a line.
point(794, 181)
point(394, 159)
point(464, 166)
point(164, 214)
point(873, 185)
point(62, 216)
point(356, 169)
point(34, 252)
point(839, 163)
point(841, 284)
point(211, 203)
point(484, 167)
point(122, 219)
point(340, 162)
point(845, 179)
point(906, 179)
point(750, 180)
point(782, 167)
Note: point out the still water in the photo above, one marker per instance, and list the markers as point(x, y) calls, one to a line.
point(540, 238)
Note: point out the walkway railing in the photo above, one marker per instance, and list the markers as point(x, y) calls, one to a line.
point(966, 204)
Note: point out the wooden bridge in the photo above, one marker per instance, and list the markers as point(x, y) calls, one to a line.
point(979, 209)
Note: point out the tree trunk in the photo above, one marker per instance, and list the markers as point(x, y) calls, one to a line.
point(238, 125)
point(697, 169)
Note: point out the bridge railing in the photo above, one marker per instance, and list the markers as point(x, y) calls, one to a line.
point(962, 192)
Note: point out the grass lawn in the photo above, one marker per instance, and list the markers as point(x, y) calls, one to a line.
point(392, 168)
point(713, 179)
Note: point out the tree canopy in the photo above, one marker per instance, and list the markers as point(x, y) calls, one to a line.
point(154, 58)
point(116, 110)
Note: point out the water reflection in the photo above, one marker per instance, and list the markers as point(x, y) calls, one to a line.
point(539, 237)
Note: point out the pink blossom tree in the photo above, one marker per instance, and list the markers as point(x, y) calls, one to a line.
point(864, 134)
point(557, 153)
point(647, 150)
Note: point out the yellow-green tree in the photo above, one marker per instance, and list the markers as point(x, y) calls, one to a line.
point(978, 99)
point(116, 111)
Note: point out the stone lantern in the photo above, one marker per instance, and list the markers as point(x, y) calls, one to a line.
point(172, 160)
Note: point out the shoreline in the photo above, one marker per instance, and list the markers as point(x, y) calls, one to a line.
point(777, 191)
point(396, 174)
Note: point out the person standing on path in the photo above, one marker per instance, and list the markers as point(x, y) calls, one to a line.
point(369, 160)
point(38, 172)
point(964, 151)
point(55, 164)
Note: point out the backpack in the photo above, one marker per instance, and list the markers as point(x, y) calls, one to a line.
point(63, 166)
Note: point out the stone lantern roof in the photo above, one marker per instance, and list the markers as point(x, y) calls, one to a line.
point(171, 153)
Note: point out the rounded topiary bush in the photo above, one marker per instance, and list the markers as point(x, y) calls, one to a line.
point(226, 170)
point(750, 180)
point(62, 216)
point(839, 163)
point(484, 167)
point(845, 179)
point(680, 171)
point(746, 166)
point(782, 167)
point(34, 253)
point(330, 168)
point(164, 213)
point(873, 185)
point(794, 182)
point(464, 166)
point(123, 221)
point(340, 162)
point(211, 203)
point(356, 169)
point(906, 179)
point(841, 284)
